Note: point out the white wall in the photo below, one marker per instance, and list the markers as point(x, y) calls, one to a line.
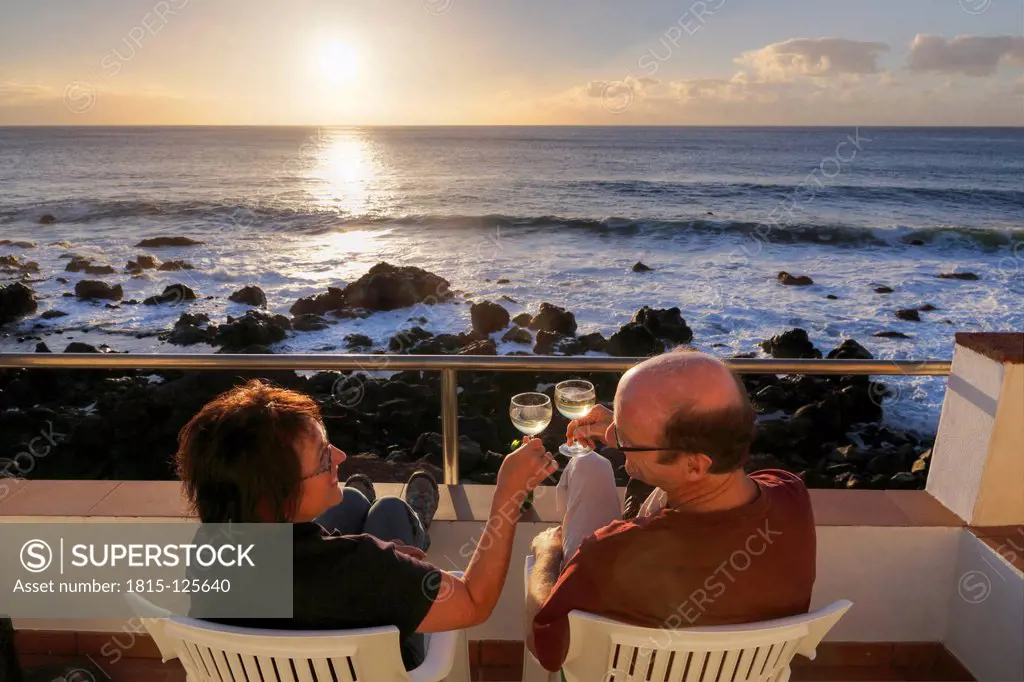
point(1001, 498)
point(898, 579)
point(965, 429)
point(986, 613)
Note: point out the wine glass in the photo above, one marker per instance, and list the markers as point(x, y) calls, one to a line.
point(530, 412)
point(574, 398)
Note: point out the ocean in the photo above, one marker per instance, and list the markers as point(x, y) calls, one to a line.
point(562, 213)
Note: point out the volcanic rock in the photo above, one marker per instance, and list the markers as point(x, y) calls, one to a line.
point(640, 267)
point(523, 319)
point(664, 324)
point(250, 295)
point(46, 219)
point(927, 308)
point(78, 347)
point(849, 350)
point(174, 266)
point(12, 264)
point(883, 290)
point(594, 341)
point(485, 347)
point(42, 348)
point(892, 335)
point(634, 340)
point(517, 335)
point(141, 263)
point(79, 264)
point(794, 280)
point(51, 314)
point(791, 344)
point(552, 318)
point(388, 287)
point(159, 242)
point(254, 328)
point(546, 342)
point(968, 276)
point(309, 323)
point(908, 314)
point(501, 281)
point(16, 300)
point(88, 289)
point(191, 329)
point(406, 339)
point(488, 317)
point(353, 341)
point(174, 293)
point(334, 299)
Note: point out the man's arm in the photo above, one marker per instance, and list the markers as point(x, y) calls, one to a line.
point(547, 552)
point(469, 601)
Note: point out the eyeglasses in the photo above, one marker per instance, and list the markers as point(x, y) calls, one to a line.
point(622, 448)
point(326, 461)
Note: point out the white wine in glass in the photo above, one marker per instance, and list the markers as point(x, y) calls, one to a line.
point(530, 412)
point(575, 398)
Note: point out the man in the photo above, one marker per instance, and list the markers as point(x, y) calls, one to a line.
point(711, 545)
point(260, 454)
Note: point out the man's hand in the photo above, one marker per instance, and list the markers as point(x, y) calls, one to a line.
point(527, 467)
point(593, 424)
point(547, 542)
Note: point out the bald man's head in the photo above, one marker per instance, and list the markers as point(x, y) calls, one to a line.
point(687, 401)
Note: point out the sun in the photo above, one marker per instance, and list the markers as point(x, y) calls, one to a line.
point(337, 62)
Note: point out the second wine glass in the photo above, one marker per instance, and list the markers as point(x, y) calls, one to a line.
point(574, 398)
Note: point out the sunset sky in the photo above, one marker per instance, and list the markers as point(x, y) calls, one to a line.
point(398, 62)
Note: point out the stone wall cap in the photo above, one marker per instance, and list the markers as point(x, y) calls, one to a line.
point(1007, 347)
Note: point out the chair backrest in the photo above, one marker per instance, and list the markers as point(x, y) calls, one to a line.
point(221, 653)
point(604, 650)
point(153, 618)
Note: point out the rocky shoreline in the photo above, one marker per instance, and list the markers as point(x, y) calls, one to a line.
point(123, 425)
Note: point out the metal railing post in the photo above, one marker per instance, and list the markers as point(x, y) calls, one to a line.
point(450, 424)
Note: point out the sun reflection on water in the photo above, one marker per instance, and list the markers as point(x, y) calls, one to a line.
point(345, 172)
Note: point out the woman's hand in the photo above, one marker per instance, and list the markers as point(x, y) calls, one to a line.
point(527, 467)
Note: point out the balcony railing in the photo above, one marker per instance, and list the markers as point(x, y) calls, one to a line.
point(449, 366)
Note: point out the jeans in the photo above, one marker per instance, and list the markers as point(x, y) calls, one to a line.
point(389, 519)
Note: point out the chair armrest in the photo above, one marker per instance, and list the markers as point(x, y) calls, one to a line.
point(440, 658)
point(442, 647)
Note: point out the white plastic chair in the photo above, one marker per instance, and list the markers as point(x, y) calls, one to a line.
point(211, 652)
point(605, 650)
point(221, 653)
point(153, 618)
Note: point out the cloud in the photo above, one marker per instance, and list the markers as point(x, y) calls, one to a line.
point(813, 57)
point(967, 55)
point(739, 88)
point(14, 94)
point(630, 85)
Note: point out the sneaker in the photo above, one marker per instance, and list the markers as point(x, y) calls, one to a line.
point(363, 484)
point(422, 495)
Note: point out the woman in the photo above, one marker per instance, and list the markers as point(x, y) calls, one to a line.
point(259, 453)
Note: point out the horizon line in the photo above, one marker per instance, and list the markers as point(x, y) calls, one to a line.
point(494, 125)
